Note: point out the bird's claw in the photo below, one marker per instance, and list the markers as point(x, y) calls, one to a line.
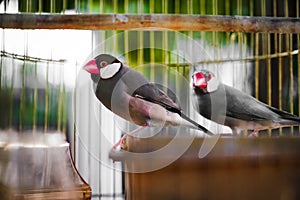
point(123, 143)
point(254, 133)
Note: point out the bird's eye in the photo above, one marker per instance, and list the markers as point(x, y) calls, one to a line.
point(103, 63)
point(208, 76)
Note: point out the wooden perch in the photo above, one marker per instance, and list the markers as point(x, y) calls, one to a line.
point(177, 22)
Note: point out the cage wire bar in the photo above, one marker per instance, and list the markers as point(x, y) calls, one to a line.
point(267, 35)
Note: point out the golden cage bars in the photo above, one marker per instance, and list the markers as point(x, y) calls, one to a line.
point(153, 22)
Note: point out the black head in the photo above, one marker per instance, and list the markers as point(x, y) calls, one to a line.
point(103, 66)
point(103, 60)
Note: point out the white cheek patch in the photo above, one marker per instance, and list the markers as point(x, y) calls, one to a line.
point(110, 70)
point(212, 84)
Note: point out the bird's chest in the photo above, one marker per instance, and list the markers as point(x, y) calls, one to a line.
point(203, 104)
point(108, 92)
point(210, 104)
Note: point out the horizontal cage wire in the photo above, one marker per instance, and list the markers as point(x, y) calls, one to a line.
point(252, 45)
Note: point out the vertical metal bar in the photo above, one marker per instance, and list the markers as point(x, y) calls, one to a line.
point(64, 6)
point(165, 33)
point(237, 68)
point(64, 106)
point(28, 5)
point(280, 74)
point(115, 4)
point(40, 6)
point(76, 6)
point(266, 50)
point(141, 38)
point(255, 38)
point(203, 12)
point(126, 45)
point(289, 48)
point(291, 72)
point(11, 98)
point(59, 108)
point(269, 72)
point(215, 38)
point(75, 119)
point(152, 43)
point(177, 51)
point(256, 65)
point(291, 78)
point(215, 34)
point(177, 11)
point(190, 33)
point(165, 43)
point(239, 7)
point(90, 6)
point(227, 12)
point(52, 6)
point(276, 52)
point(60, 99)
point(263, 13)
point(184, 70)
point(46, 99)
point(251, 8)
point(22, 99)
point(35, 97)
point(240, 40)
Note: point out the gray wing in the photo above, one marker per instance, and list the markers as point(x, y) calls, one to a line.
point(152, 93)
point(246, 107)
point(139, 86)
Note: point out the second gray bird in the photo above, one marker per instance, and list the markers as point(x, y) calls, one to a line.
point(231, 107)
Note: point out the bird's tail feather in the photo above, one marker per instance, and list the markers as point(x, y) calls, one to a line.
point(284, 123)
point(287, 118)
point(195, 124)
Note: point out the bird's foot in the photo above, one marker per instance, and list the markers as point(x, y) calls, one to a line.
point(254, 133)
point(121, 143)
point(124, 143)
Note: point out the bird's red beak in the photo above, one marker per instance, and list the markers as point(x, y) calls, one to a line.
point(199, 80)
point(91, 67)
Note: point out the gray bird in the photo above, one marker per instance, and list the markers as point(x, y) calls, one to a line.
point(231, 107)
point(130, 95)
